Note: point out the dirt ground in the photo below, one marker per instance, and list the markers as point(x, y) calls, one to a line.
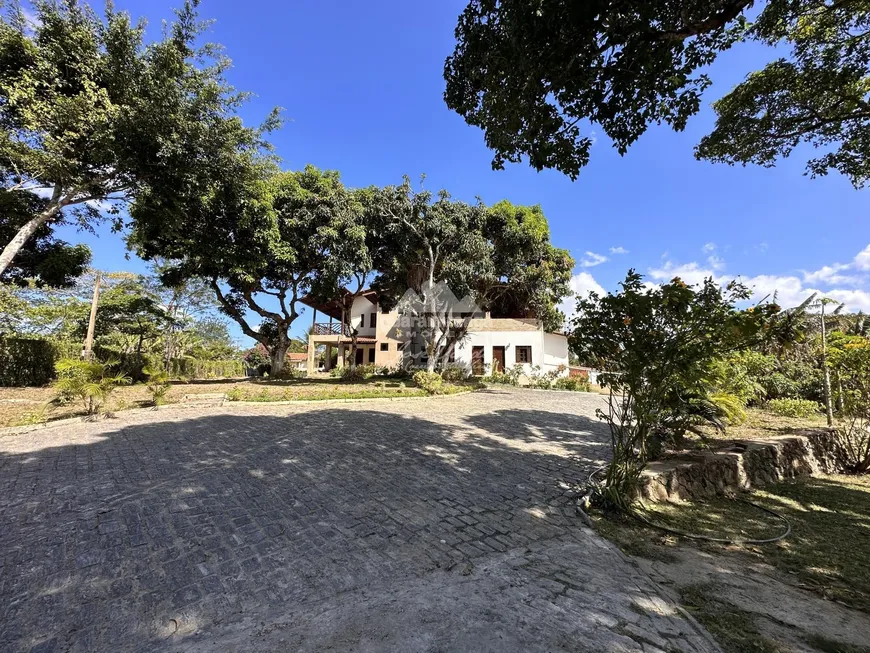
point(22, 406)
point(809, 592)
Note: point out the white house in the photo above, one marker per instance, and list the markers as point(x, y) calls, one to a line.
point(490, 342)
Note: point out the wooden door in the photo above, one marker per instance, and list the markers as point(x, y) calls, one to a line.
point(359, 356)
point(498, 359)
point(477, 360)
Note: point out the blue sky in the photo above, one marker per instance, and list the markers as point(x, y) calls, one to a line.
point(361, 86)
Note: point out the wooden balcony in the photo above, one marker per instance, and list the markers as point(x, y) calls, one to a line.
point(330, 329)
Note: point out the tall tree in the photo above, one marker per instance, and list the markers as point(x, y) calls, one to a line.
point(531, 275)
point(262, 240)
point(501, 257)
point(93, 118)
point(428, 242)
point(533, 74)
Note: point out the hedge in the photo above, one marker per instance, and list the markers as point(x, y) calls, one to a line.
point(193, 368)
point(26, 361)
point(30, 362)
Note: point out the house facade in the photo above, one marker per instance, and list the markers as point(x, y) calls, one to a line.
point(489, 343)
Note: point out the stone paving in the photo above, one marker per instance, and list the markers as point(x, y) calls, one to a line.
point(443, 524)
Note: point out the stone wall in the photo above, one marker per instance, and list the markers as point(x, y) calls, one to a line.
point(744, 464)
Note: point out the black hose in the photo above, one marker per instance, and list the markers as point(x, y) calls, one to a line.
point(691, 536)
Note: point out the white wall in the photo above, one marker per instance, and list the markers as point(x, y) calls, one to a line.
point(548, 350)
point(555, 351)
point(361, 311)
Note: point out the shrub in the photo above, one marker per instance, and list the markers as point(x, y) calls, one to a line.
point(90, 382)
point(510, 376)
point(656, 348)
point(358, 372)
point(288, 373)
point(454, 373)
point(431, 382)
point(27, 361)
point(236, 394)
point(158, 383)
point(574, 383)
point(851, 362)
point(794, 407)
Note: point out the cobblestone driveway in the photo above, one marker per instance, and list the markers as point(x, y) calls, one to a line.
point(432, 525)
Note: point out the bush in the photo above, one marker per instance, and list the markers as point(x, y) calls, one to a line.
point(454, 373)
point(28, 361)
point(510, 376)
point(195, 368)
point(90, 382)
point(158, 383)
point(357, 373)
point(431, 382)
point(794, 407)
point(288, 373)
point(236, 394)
point(574, 383)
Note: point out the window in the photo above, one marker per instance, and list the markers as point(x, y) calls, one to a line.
point(524, 354)
point(374, 320)
point(385, 346)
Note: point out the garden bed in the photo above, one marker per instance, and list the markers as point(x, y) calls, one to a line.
point(24, 406)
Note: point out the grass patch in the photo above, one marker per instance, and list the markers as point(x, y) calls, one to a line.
point(759, 424)
point(734, 629)
point(828, 551)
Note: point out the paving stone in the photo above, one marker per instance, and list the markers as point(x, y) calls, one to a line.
point(223, 528)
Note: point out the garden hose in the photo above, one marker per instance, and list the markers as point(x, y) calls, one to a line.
point(692, 536)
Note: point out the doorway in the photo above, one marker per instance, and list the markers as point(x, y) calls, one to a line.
point(498, 359)
point(477, 360)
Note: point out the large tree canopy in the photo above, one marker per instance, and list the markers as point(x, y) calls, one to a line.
point(89, 112)
point(533, 73)
point(263, 239)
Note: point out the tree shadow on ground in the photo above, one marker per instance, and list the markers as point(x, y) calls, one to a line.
point(136, 535)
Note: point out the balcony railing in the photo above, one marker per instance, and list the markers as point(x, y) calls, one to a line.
point(331, 329)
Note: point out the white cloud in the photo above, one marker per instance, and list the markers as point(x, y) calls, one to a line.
point(790, 290)
point(708, 248)
point(690, 273)
point(592, 259)
point(618, 250)
point(581, 285)
point(716, 262)
point(862, 260)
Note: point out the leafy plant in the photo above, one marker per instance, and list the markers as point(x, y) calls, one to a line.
point(454, 373)
point(794, 407)
point(510, 376)
point(90, 382)
point(158, 383)
point(236, 394)
point(574, 383)
point(656, 349)
point(431, 382)
point(851, 363)
point(358, 372)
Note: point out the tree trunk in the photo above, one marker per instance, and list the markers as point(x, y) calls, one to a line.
point(26, 232)
point(278, 355)
point(829, 411)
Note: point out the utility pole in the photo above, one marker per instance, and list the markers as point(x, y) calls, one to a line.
point(88, 351)
point(828, 408)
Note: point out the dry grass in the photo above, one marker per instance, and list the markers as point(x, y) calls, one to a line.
point(19, 406)
point(827, 553)
point(760, 425)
